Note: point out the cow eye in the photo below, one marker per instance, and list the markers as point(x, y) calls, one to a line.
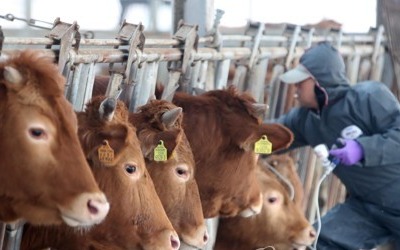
point(272, 199)
point(181, 172)
point(37, 133)
point(130, 169)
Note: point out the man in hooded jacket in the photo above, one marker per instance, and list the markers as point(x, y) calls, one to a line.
point(366, 117)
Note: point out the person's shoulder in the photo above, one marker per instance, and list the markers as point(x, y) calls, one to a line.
point(294, 115)
point(371, 90)
point(369, 87)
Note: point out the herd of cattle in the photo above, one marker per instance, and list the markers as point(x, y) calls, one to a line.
point(107, 178)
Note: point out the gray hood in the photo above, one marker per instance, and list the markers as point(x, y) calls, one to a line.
point(326, 64)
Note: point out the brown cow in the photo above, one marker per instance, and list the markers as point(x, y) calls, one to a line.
point(173, 177)
point(137, 219)
point(281, 225)
point(40, 181)
point(286, 166)
point(222, 127)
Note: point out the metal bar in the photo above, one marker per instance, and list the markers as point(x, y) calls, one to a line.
point(257, 79)
point(293, 44)
point(136, 99)
point(194, 78)
point(174, 54)
point(74, 85)
point(240, 75)
point(353, 65)
point(83, 79)
point(2, 233)
point(346, 38)
point(222, 71)
point(114, 84)
point(203, 75)
point(171, 86)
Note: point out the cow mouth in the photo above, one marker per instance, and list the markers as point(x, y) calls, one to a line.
point(299, 246)
point(75, 222)
point(187, 246)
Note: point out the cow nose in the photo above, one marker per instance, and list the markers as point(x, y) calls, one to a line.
point(98, 207)
point(175, 243)
point(313, 234)
point(87, 209)
point(205, 237)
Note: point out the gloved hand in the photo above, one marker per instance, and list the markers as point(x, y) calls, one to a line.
point(350, 153)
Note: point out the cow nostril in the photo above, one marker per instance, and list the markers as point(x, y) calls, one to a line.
point(92, 208)
point(205, 237)
point(175, 244)
point(312, 234)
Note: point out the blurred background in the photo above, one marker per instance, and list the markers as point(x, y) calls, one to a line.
point(158, 15)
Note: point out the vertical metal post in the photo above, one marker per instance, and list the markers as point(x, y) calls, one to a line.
point(274, 96)
point(377, 58)
point(293, 43)
point(353, 64)
point(74, 83)
point(239, 77)
point(13, 236)
point(195, 76)
point(136, 88)
point(257, 79)
point(212, 228)
point(221, 74)
point(171, 86)
point(114, 85)
point(203, 76)
point(145, 86)
point(64, 34)
point(83, 80)
point(2, 233)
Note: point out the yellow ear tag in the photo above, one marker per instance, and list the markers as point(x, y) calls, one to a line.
point(160, 152)
point(263, 146)
point(106, 153)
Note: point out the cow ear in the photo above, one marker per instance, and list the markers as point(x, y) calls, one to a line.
point(150, 140)
point(13, 78)
point(280, 136)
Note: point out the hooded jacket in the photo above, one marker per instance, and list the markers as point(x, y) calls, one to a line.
point(368, 105)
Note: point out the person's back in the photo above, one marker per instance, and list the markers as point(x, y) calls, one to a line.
point(369, 164)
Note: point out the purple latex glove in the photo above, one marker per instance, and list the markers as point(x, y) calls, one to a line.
point(350, 153)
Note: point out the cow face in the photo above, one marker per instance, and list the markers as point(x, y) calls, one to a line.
point(160, 121)
point(41, 182)
point(286, 166)
point(281, 223)
point(121, 172)
point(222, 127)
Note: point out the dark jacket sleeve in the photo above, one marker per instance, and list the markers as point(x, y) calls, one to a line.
point(293, 120)
point(381, 110)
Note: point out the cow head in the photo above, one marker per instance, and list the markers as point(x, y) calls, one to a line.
point(137, 217)
point(222, 127)
point(286, 166)
point(173, 176)
point(41, 182)
point(281, 222)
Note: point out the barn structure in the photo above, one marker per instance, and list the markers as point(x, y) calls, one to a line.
point(200, 55)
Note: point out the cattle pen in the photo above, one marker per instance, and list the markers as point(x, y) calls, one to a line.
point(250, 58)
